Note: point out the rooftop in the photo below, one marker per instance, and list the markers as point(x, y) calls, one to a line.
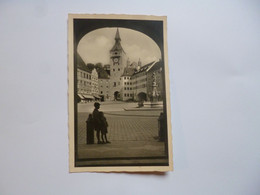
point(128, 71)
point(81, 64)
point(144, 68)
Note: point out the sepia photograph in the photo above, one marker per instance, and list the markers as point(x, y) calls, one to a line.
point(119, 107)
point(111, 97)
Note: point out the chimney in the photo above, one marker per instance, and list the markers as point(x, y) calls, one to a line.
point(139, 62)
point(138, 67)
point(128, 62)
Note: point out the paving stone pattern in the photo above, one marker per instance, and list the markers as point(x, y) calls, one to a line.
point(123, 128)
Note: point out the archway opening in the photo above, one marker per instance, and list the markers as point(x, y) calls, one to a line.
point(94, 47)
point(142, 96)
point(153, 29)
point(116, 95)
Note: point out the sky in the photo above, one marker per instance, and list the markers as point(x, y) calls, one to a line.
point(94, 47)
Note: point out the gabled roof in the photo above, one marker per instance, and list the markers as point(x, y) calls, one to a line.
point(117, 47)
point(157, 65)
point(144, 68)
point(154, 66)
point(81, 64)
point(128, 71)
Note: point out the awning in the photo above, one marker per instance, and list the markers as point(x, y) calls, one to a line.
point(88, 97)
point(81, 96)
point(97, 96)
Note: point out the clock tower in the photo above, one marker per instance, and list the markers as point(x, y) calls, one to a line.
point(117, 65)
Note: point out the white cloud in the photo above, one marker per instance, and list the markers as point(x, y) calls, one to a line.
point(102, 41)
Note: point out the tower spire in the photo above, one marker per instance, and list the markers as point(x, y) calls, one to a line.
point(117, 46)
point(117, 37)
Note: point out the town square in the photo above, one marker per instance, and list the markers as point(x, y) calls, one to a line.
point(120, 111)
point(133, 135)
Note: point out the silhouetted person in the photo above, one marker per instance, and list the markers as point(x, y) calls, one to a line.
point(103, 127)
point(96, 120)
point(162, 127)
point(90, 129)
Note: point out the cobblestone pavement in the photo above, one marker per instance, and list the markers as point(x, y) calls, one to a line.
point(130, 135)
point(123, 125)
point(123, 128)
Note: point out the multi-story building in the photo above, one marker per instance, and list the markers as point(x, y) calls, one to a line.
point(140, 82)
point(155, 74)
point(94, 84)
point(104, 86)
point(143, 79)
point(87, 82)
point(84, 87)
point(127, 84)
point(84, 81)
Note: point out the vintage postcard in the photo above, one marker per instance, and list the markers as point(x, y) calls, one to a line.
point(119, 101)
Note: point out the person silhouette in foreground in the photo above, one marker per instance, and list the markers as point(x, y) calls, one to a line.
point(97, 121)
point(103, 128)
point(90, 130)
point(162, 127)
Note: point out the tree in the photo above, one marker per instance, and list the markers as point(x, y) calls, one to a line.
point(99, 67)
point(90, 66)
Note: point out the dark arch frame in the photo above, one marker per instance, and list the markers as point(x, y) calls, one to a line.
point(152, 28)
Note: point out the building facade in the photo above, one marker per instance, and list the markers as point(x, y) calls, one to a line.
point(104, 86)
point(143, 79)
point(84, 84)
point(94, 84)
point(87, 82)
point(127, 84)
point(155, 74)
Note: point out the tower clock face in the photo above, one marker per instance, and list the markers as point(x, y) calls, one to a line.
point(115, 59)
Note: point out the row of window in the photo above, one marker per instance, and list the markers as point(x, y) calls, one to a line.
point(127, 78)
point(118, 83)
point(85, 83)
point(83, 91)
point(84, 75)
point(84, 87)
point(102, 86)
point(115, 69)
point(127, 83)
point(128, 88)
point(128, 95)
